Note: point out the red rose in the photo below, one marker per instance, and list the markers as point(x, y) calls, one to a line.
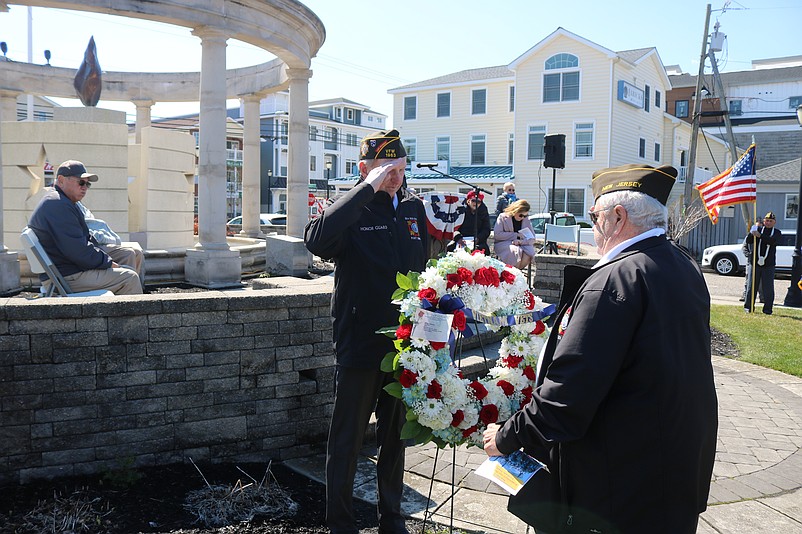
point(468, 431)
point(403, 331)
point(539, 329)
point(507, 276)
point(459, 417)
point(530, 300)
point(529, 372)
point(487, 276)
point(437, 345)
point(452, 280)
point(459, 373)
point(459, 321)
point(408, 378)
point(488, 414)
point(479, 391)
point(512, 361)
point(435, 390)
point(465, 275)
point(506, 387)
point(429, 294)
point(527, 392)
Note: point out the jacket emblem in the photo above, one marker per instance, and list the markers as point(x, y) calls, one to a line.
point(412, 225)
point(564, 323)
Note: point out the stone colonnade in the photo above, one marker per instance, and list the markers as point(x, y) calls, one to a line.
point(290, 31)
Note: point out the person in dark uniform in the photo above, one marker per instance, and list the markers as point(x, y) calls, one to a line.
point(477, 221)
point(748, 250)
point(372, 232)
point(624, 412)
point(763, 262)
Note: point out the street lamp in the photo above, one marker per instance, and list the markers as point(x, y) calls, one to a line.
point(794, 296)
point(269, 191)
point(328, 175)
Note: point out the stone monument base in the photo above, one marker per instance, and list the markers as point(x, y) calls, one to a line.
point(9, 273)
point(213, 269)
point(287, 256)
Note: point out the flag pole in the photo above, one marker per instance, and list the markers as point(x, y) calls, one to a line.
point(751, 295)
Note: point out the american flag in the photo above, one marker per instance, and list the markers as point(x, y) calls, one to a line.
point(736, 185)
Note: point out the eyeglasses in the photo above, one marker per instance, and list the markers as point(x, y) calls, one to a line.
point(521, 215)
point(82, 182)
point(594, 214)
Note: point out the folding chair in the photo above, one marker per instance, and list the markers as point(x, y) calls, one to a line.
point(40, 262)
point(562, 234)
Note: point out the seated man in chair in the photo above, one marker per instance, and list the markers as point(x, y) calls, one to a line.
point(61, 228)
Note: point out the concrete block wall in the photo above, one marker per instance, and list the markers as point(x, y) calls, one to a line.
point(87, 384)
point(547, 273)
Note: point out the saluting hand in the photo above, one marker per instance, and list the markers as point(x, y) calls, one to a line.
point(378, 174)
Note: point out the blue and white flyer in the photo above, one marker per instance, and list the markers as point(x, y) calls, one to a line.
point(510, 472)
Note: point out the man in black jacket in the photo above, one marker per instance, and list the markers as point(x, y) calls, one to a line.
point(373, 231)
point(765, 238)
point(477, 221)
point(60, 226)
point(624, 412)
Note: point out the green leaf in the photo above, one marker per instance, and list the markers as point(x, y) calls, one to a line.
point(394, 389)
point(411, 429)
point(388, 362)
point(388, 331)
point(401, 344)
point(415, 278)
point(399, 294)
point(411, 415)
point(403, 281)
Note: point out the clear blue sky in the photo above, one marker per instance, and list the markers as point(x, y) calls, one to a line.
point(368, 51)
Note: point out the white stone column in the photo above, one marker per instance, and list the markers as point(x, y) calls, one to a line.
point(298, 164)
point(212, 264)
point(251, 162)
point(142, 117)
point(9, 262)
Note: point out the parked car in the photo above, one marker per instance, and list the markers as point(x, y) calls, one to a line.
point(269, 222)
point(729, 260)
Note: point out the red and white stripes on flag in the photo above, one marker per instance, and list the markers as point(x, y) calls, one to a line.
point(736, 185)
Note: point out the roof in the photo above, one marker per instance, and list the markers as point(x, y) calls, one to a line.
point(787, 172)
point(339, 100)
point(746, 77)
point(488, 173)
point(463, 76)
point(633, 56)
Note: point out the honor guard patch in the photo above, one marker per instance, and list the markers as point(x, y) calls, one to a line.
point(564, 323)
point(412, 225)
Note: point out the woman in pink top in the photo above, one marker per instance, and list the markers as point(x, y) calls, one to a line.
point(513, 244)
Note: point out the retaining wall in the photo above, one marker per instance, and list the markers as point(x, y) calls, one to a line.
point(89, 384)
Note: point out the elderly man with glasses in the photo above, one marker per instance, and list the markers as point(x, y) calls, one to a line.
point(624, 412)
point(60, 225)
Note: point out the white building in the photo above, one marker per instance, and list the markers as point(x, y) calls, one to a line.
point(490, 123)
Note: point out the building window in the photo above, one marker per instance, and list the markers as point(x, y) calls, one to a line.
point(657, 152)
point(351, 139)
point(284, 132)
point(510, 148)
point(792, 206)
point(349, 114)
point(312, 163)
point(313, 133)
point(681, 108)
point(642, 147)
point(350, 167)
point(331, 140)
point(411, 146)
point(583, 140)
point(478, 149)
point(443, 104)
point(794, 102)
point(535, 142)
point(735, 107)
point(657, 99)
point(478, 101)
point(443, 148)
point(512, 98)
point(564, 86)
point(410, 108)
point(647, 91)
point(570, 200)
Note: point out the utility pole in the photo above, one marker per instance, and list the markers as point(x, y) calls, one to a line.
point(697, 108)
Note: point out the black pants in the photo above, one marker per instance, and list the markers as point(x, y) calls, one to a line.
point(357, 391)
point(764, 277)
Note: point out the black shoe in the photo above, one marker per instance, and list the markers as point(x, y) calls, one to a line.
point(767, 312)
point(741, 299)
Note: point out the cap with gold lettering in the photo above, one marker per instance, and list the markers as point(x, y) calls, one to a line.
point(655, 182)
point(382, 145)
point(770, 215)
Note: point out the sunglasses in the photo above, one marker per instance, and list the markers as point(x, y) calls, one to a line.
point(521, 215)
point(594, 214)
point(82, 182)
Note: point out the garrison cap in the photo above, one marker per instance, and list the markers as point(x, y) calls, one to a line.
point(382, 145)
point(655, 182)
point(770, 215)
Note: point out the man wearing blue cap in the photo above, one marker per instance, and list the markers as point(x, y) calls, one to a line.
point(625, 412)
point(61, 228)
point(372, 232)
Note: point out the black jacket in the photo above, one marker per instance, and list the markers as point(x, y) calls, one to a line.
point(61, 228)
point(625, 408)
point(370, 242)
point(767, 245)
point(467, 228)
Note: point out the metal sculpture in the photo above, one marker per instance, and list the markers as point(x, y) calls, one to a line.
point(88, 81)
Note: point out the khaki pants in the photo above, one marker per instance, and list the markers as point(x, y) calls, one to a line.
point(128, 254)
point(120, 281)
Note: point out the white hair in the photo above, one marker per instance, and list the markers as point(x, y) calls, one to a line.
point(644, 211)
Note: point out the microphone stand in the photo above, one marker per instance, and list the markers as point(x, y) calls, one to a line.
point(476, 191)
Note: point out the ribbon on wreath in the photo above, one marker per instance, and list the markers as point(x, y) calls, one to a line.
point(448, 304)
point(509, 320)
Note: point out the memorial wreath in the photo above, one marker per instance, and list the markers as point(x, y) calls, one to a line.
point(442, 405)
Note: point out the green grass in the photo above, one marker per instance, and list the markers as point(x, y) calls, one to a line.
point(772, 341)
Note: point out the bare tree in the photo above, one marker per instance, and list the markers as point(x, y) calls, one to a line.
point(682, 219)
